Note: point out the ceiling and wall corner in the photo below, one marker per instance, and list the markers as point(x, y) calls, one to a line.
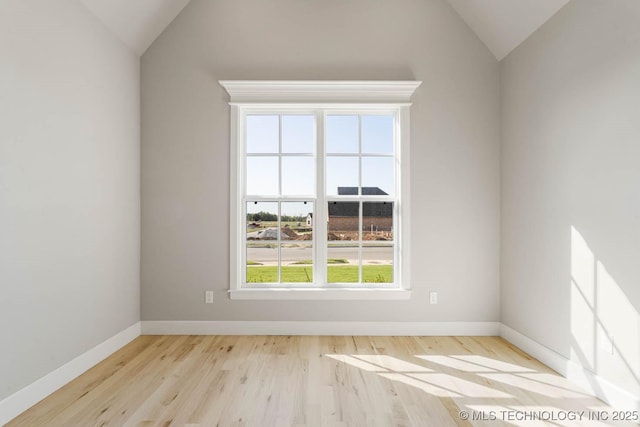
point(137, 23)
point(503, 24)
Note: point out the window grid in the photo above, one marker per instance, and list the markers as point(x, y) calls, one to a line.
point(279, 199)
point(319, 242)
point(360, 198)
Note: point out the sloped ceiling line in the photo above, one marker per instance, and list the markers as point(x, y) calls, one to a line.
point(501, 24)
point(136, 22)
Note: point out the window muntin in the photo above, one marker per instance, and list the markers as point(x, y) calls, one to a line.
point(357, 154)
point(357, 226)
point(279, 196)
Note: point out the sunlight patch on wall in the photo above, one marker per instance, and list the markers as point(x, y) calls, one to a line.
point(605, 325)
point(618, 321)
point(582, 301)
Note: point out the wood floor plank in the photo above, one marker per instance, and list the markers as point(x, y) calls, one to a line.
point(303, 381)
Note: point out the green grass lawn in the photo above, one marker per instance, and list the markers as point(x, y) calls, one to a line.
point(370, 274)
point(337, 274)
point(269, 274)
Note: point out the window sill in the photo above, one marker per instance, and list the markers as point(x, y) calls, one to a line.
point(320, 294)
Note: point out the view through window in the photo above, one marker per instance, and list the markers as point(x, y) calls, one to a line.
point(319, 198)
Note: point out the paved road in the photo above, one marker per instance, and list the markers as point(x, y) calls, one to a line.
point(298, 254)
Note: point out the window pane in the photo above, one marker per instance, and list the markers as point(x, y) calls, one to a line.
point(342, 134)
point(262, 262)
point(262, 221)
point(297, 220)
point(377, 264)
point(297, 262)
point(342, 176)
point(262, 134)
point(298, 176)
point(298, 134)
point(261, 245)
point(262, 176)
point(344, 219)
point(377, 221)
point(296, 251)
point(378, 176)
point(377, 134)
point(342, 264)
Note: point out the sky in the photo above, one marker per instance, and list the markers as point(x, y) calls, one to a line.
point(298, 137)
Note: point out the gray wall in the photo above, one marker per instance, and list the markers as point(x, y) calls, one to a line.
point(570, 198)
point(69, 187)
point(454, 152)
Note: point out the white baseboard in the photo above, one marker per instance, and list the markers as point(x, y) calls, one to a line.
point(22, 400)
point(320, 328)
point(612, 394)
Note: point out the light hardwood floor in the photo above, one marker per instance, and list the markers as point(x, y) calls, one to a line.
point(313, 381)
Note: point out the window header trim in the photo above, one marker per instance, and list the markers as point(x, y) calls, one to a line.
point(309, 91)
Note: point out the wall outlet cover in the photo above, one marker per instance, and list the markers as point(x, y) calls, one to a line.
point(208, 297)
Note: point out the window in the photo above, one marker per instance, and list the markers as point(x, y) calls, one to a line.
point(319, 189)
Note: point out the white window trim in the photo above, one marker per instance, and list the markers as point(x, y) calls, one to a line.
point(336, 95)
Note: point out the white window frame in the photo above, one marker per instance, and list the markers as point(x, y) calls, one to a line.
point(320, 98)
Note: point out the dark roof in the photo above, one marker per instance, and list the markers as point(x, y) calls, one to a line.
point(366, 191)
point(375, 209)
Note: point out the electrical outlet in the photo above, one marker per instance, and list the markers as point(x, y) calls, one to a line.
point(433, 297)
point(208, 297)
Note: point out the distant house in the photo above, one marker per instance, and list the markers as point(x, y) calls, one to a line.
point(376, 216)
point(310, 219)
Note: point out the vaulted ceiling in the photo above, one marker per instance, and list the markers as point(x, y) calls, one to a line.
point(501, 24)
point(136, 22)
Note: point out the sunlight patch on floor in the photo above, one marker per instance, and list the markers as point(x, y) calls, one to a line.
point(460, 365)
point(487, 362)
point(531, 385)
